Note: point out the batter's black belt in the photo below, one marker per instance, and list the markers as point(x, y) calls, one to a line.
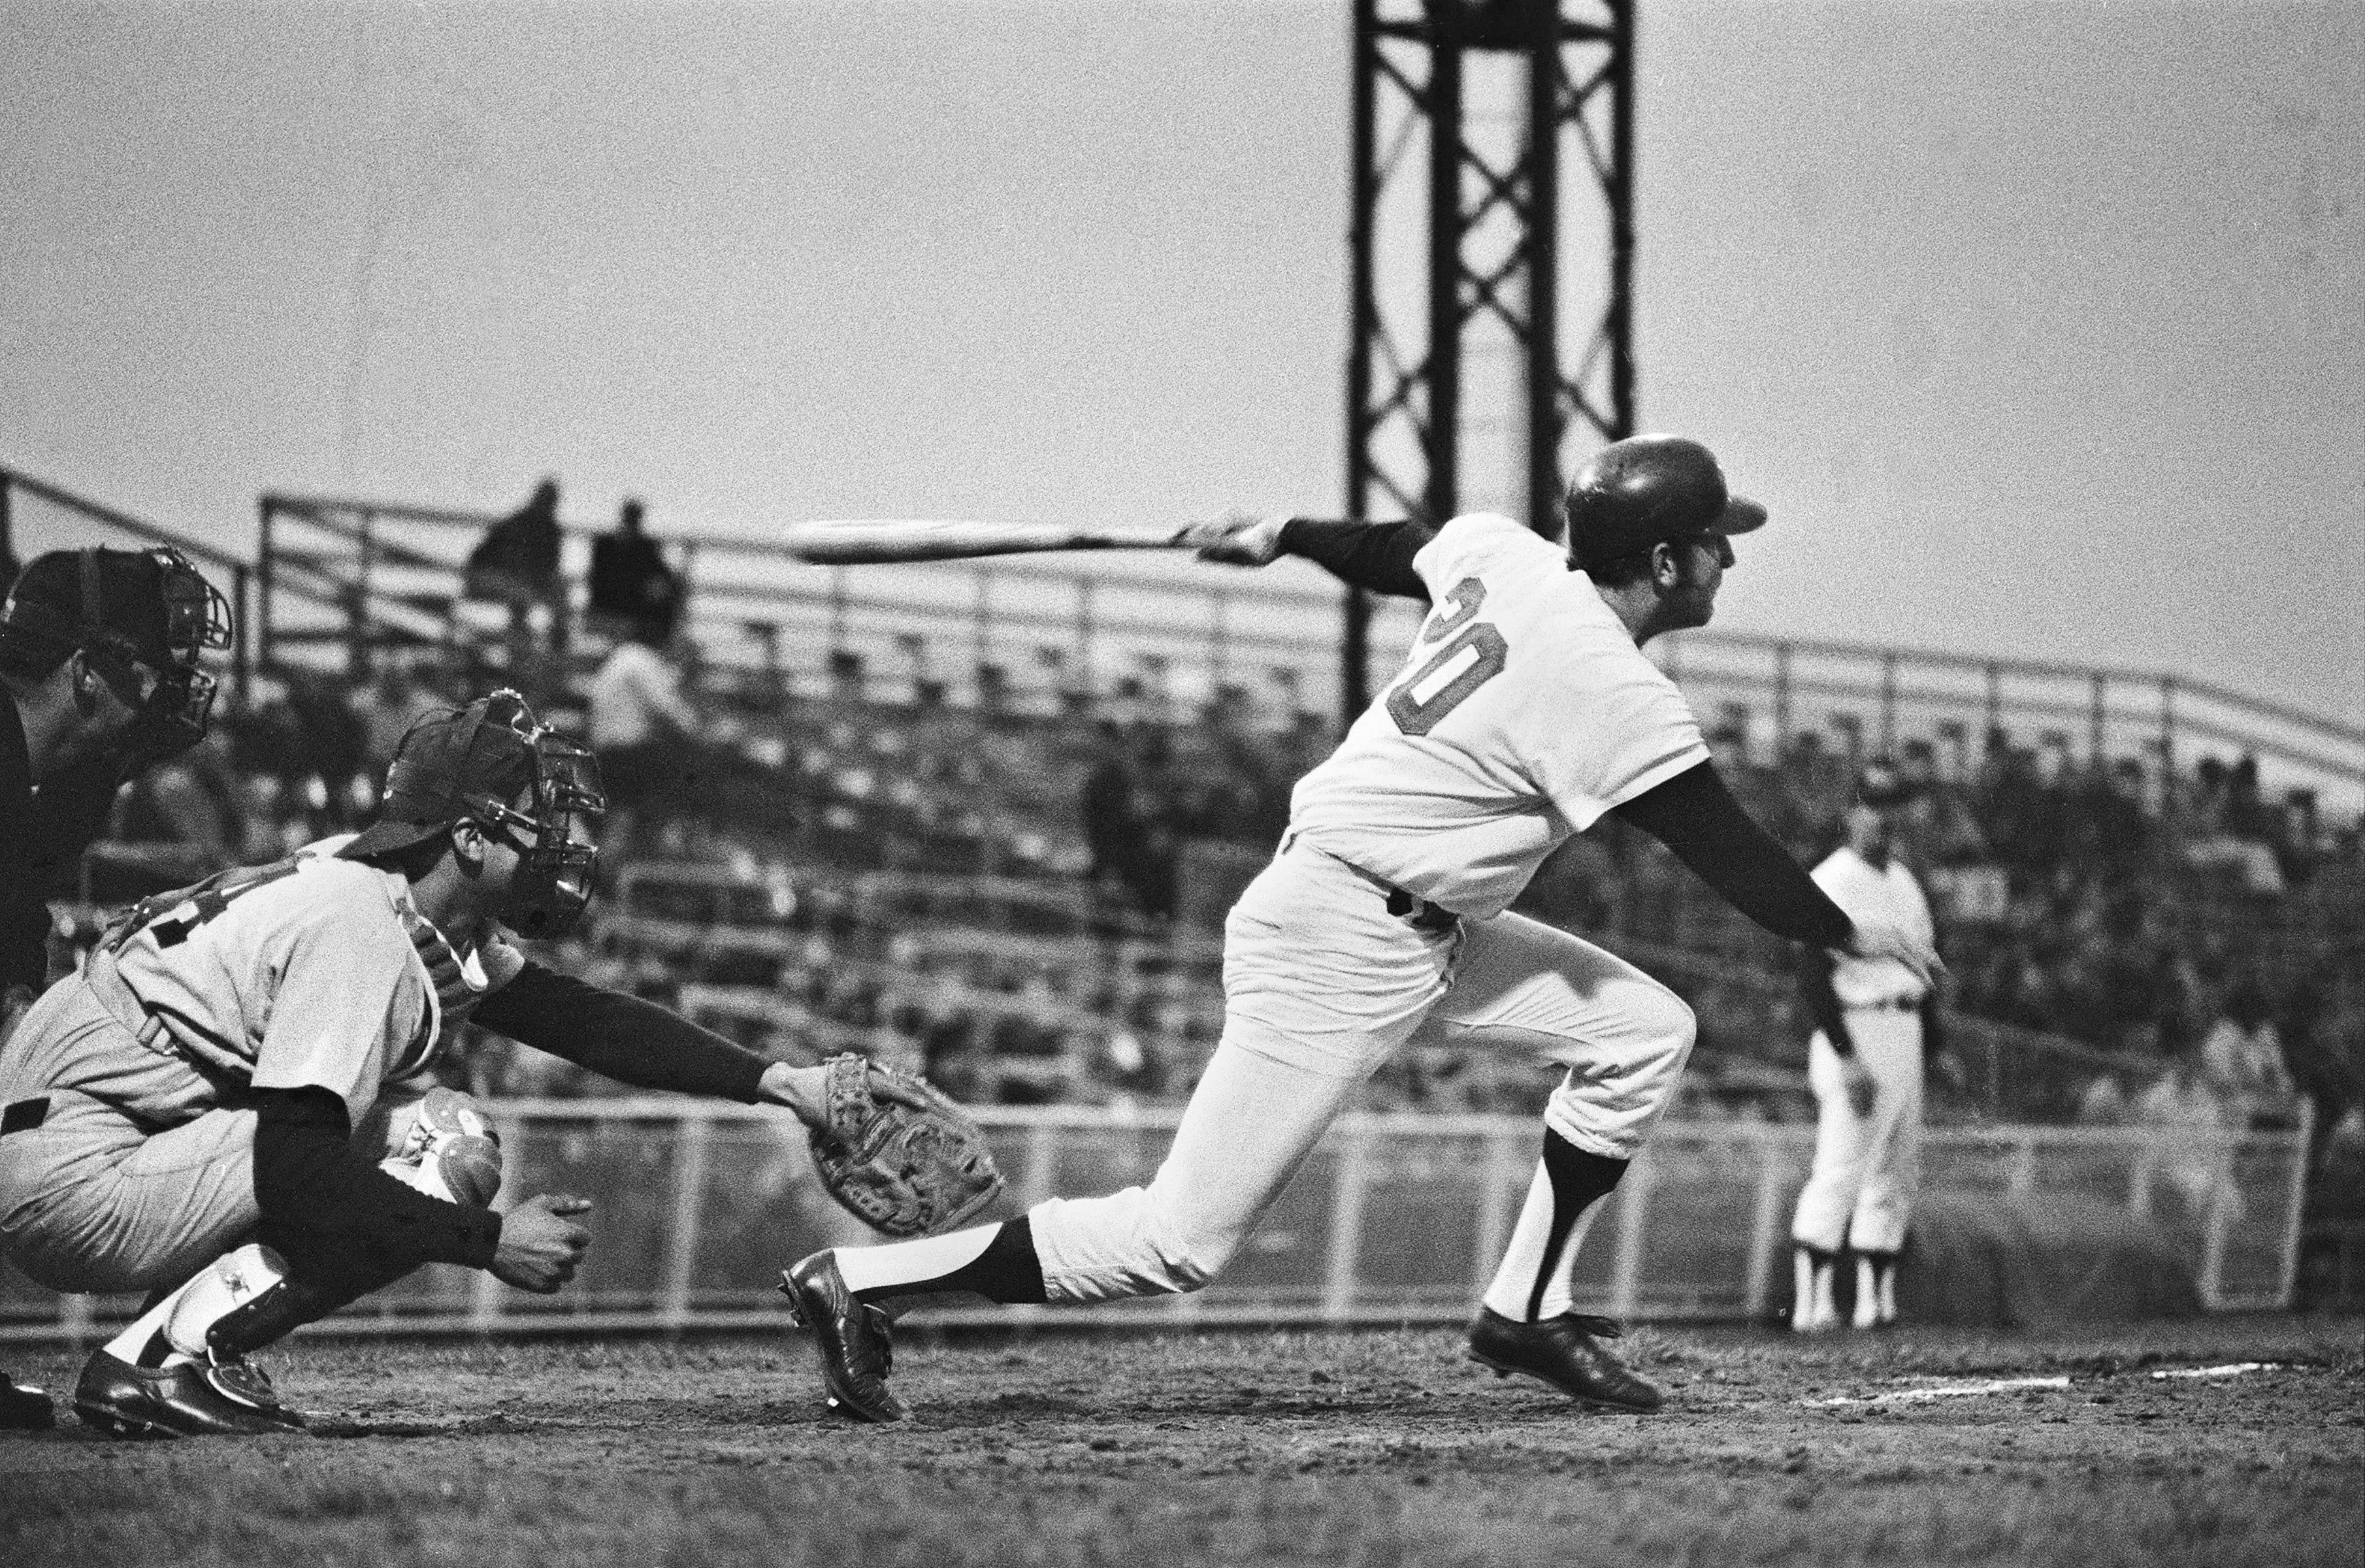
point(1411, 908)
point(1887, 1004)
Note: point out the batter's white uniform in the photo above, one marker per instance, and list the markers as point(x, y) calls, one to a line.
point(1524, 712)
point(1868, 1168)
point(138, 1169)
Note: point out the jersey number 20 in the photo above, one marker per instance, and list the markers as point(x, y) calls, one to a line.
point(1470, 655)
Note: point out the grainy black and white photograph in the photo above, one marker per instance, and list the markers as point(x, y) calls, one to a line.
point(1265, 782)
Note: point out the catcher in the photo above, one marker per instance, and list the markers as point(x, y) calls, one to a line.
point(230, 1105)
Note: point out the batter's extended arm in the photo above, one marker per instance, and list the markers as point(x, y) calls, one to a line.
point(1373, 555)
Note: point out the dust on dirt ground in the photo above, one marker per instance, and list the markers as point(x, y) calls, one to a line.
point(1247, 1449)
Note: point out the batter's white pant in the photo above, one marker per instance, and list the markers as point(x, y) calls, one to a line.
point(1321, 984)
point(1868, 1168)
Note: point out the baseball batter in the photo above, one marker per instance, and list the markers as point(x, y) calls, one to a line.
point(1876, 1019)
point(230, 1105)
point(1525, 711)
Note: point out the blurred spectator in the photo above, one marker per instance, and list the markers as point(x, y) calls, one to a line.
point(632, 586)
point(645, 732)
point(2229, 828)
point(2323, 1047)
point(2242, 1056)
point(1129, 814)
point(2189, 1123)
point(516, 563)
point(387, 707)
point(2103, 1102)
point(1229, 787)
point(1937, 829)
point(201, 801)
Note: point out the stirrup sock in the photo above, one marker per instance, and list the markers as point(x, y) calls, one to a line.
point(995, 1262)
point(1532, 1281)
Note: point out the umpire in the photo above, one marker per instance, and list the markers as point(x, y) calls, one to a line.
point(99, 679)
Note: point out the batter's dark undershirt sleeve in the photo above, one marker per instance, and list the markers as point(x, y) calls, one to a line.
point(1934, 1038)
point(1696, 816)
point(309, 1179)
point(620, 1036)
point(1374, 555)
point(1822, 1002)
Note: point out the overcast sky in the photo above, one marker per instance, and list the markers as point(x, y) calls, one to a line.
point(2040, 326)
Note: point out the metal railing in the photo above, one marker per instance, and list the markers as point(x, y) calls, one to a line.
point(1395, 1218)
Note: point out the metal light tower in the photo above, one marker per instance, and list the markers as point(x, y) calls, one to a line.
point(1464, 113)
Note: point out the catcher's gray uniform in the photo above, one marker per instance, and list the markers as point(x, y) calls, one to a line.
point(132, 1164)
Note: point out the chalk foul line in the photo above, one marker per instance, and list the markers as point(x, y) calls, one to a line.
point(1969, 1387)
point(1939, 1391)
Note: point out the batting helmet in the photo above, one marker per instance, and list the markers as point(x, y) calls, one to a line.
point(1648, 490)
point(494, 764)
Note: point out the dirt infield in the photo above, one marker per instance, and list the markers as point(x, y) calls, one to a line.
point(1378, 1447)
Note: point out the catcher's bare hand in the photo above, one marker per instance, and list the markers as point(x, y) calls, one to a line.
point(541, 1245)
point(1238, 538)
point(803, 1091)
point(1875, 937)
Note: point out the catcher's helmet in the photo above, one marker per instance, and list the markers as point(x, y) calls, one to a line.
point(1646, 489)
point(494, 764)
point(125, 610)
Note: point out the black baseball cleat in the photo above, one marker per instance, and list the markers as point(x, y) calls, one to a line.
point(193, 1399)
point(852, 1340)
point(24, 1409)
point(1566, 1352)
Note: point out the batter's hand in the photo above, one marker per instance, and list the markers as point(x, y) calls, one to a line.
point(1857, 1080)
point(541, 1245)
point(1238, 538)
point(1877, 937)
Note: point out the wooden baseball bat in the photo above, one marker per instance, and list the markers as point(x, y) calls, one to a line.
point(847, 542)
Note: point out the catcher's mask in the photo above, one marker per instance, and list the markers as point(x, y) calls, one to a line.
point(141, 618)
point(494, 764)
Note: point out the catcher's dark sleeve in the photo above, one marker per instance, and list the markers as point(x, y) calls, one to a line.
point(1823, 1009)
point(308, 1178)
point(1374, 555)
point(1696, 816)
point(620, 1036)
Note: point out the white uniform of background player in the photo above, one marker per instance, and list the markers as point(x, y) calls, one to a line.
point(1526, 710)
point(1864, 1064)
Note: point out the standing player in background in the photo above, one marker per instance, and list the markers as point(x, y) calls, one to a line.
point(231, 1105)
point(99, 679)
point(1876, 1019)
point(1526, 710)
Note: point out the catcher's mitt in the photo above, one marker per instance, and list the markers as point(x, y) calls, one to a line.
point(897, 1154)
